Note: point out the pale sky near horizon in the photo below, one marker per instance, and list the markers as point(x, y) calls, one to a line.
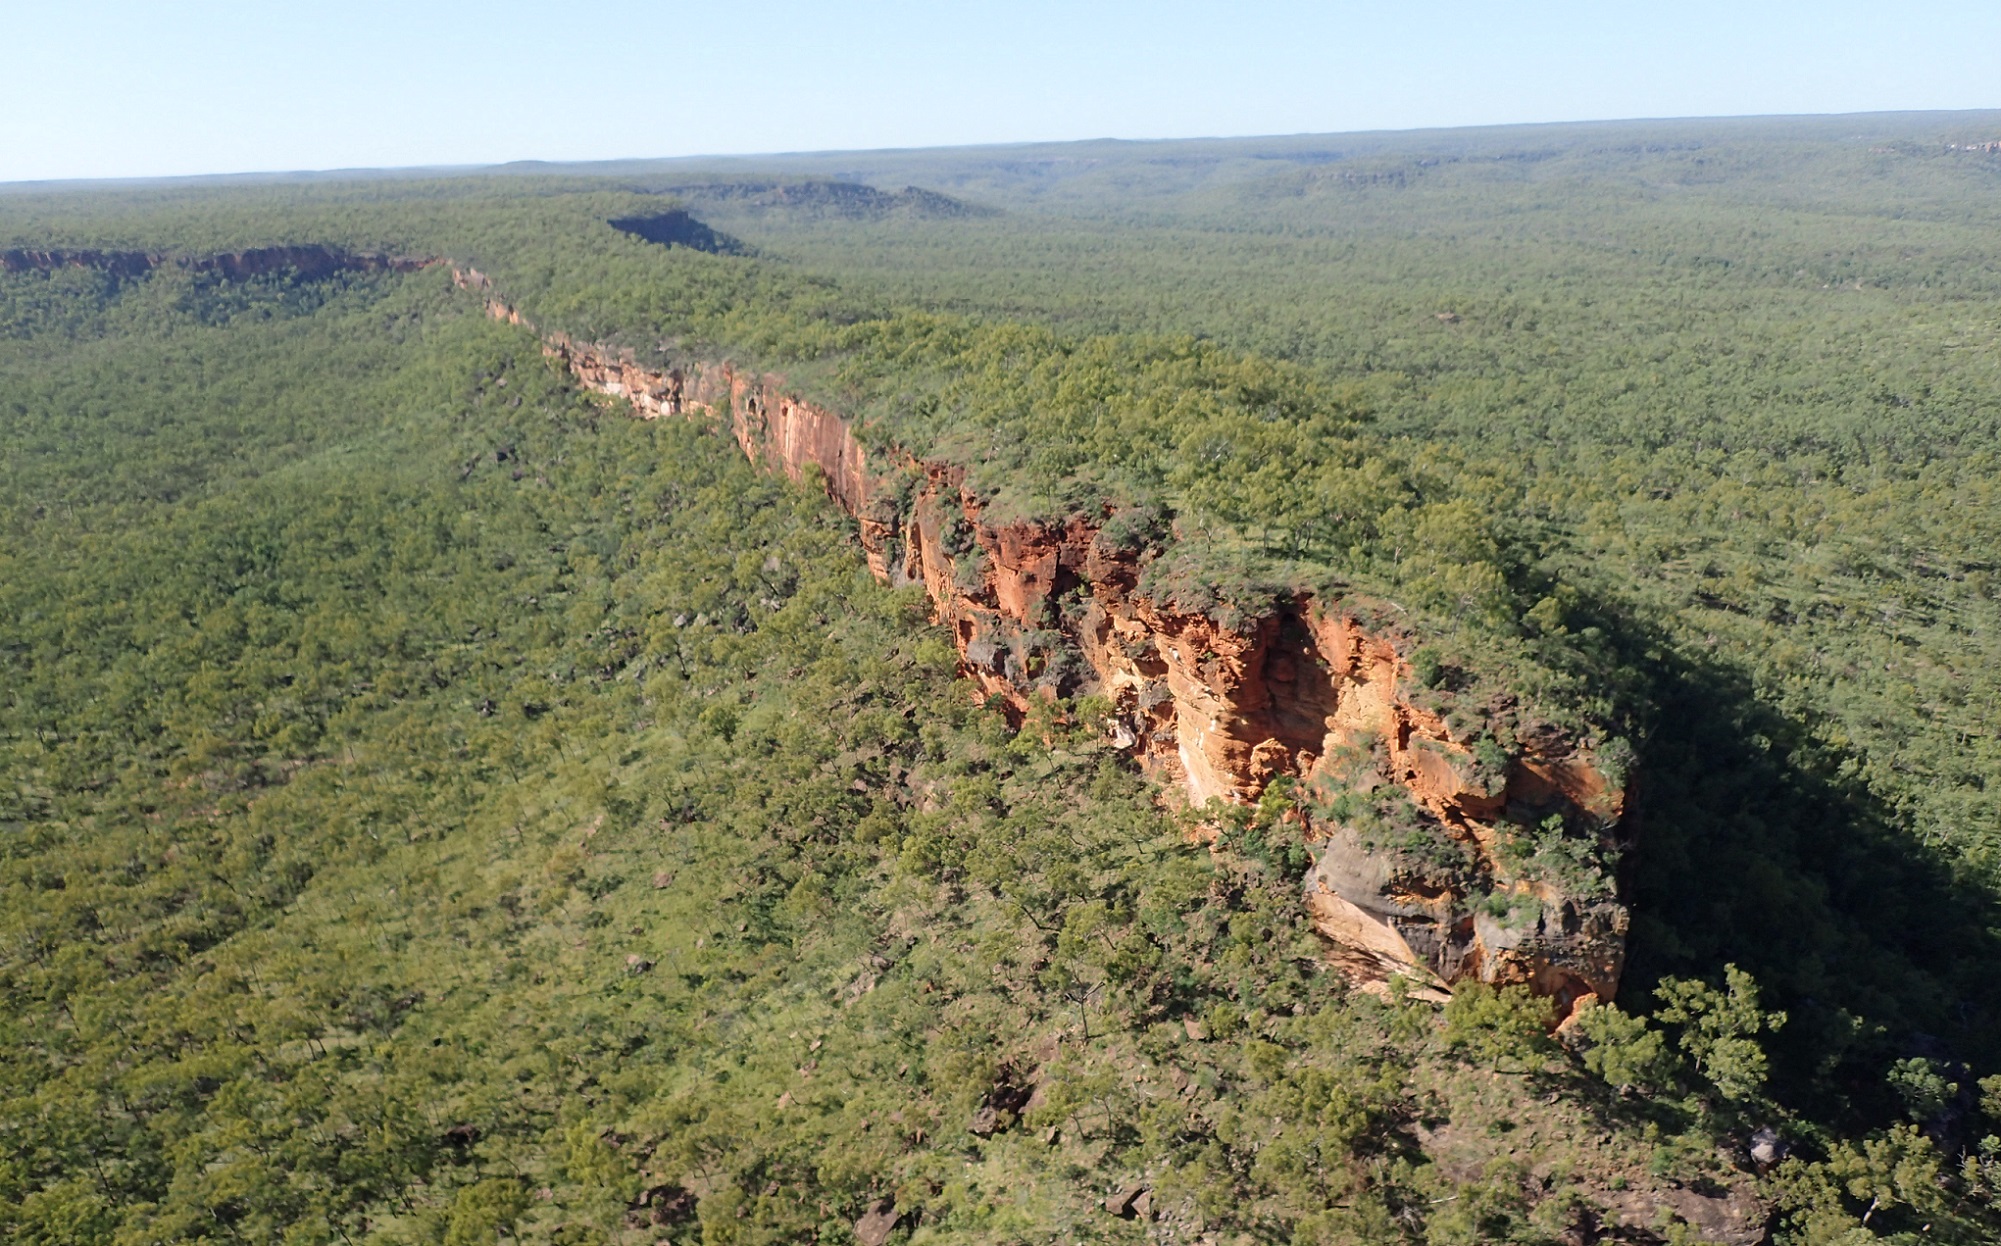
point(134, 88)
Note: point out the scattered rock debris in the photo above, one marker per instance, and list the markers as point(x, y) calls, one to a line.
point(1135, 1202)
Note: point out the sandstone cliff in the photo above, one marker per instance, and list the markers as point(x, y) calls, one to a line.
point(1441, 853)
point(311, 262)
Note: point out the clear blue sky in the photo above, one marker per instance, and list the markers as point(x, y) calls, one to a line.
point(106, 88)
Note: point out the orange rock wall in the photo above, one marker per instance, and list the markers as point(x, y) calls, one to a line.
point(1053, 609)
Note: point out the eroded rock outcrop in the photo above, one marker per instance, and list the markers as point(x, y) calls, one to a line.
point(309, 262)
point(116, 263)
point(1446, 847)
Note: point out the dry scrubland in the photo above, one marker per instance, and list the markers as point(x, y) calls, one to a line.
point(440, 806)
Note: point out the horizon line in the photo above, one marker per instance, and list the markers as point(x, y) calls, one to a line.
point(363, 172)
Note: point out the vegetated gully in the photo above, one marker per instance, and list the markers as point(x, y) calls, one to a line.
point(1316, 688)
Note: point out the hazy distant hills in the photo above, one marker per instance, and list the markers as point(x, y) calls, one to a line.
point(1101, 173)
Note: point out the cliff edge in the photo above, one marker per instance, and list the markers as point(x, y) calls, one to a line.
point(1445, 847)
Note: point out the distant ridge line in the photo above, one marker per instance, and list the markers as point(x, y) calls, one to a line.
point(312, 262)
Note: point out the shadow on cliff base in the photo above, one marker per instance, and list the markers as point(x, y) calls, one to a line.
point(1755, 846)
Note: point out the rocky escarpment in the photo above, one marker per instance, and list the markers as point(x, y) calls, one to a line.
point(312, 262)
point(1449, 843)
point(813, 198)
point(116, 263)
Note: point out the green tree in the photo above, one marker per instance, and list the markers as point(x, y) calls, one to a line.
point(1900, 1168)
point(1719, 1029)
point(1498, 1026)
point(1923, 1086)
point(1623, 1051)
point(482, 1213)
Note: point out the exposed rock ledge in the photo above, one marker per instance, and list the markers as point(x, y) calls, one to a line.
point(1312, 690)
point(312, 262)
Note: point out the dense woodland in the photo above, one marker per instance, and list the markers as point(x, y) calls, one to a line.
point(439, 808)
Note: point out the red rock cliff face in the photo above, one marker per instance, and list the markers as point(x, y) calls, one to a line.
point(1309, 691)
